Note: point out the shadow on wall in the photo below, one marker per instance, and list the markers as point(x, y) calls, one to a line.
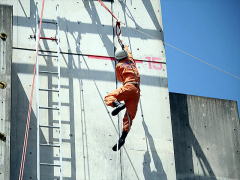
point(148, 80)
point(186, 144)
point(68, 122)
point(145, 34)
point(149, 174)
point(95, 27)
point(92, 11)
point(20, 104)
point(74, 28)
point(19, 115)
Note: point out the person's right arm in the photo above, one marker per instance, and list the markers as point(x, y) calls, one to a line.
point(130, 56)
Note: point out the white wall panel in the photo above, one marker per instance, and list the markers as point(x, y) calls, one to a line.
point(89, 132)
point(83, 24)
point(141, 27)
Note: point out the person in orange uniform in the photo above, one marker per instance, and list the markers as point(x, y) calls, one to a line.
point(127, 73)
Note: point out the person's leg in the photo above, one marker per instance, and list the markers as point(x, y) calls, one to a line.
point(121, 141)
point(131, 106)
point(115, 95)
point(121, 94)
point(127, 123)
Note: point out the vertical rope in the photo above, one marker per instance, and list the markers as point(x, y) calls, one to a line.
point(25, 143)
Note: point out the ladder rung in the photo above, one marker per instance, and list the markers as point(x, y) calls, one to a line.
point(48, 164)
point(52, 108)
point(48, 72)
point(48, 55)
point(62, 86)
point(49, 38)
point(53, 90)
point(48, 22)
point(52, 145)
point(45, 126)
point(62, 104)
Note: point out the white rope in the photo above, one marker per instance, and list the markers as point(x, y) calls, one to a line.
point(203, 61)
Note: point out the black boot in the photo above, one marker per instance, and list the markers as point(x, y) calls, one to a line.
point(121, 141)
point(118, 107)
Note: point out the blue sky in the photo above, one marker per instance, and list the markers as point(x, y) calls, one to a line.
point(207, 29)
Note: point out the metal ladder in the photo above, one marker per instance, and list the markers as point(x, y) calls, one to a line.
point(57, 108)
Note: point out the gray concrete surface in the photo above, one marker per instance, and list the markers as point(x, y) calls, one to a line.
point(206, 144)
point(6, 13)
point(88, 130)
point(206, 135)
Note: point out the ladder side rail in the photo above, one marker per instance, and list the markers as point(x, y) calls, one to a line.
point(59, 92)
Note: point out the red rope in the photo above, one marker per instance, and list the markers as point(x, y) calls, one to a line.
point(118, 32)
point(25, 143)
point(118, 27)
point(103, 5)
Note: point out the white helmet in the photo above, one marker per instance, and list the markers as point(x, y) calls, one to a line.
point(122, 54)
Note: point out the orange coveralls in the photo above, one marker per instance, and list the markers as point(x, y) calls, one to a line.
point(127, 73)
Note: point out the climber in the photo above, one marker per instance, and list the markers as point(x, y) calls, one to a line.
point(3, 85)
point(127, 73)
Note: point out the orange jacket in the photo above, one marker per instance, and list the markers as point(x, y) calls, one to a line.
point(126, 69)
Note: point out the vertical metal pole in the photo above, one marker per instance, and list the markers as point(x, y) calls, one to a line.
point(37, 96)
point(5, 94)
point(59, 87)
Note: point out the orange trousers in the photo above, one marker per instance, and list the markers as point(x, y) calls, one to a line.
point(129, 93)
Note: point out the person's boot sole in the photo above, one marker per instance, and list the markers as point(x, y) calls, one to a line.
point(118, 109)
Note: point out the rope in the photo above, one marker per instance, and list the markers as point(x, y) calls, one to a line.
point(103, 5)
point(195, 57)
point(178, 49)
point(118, 32)
point(203, 61)
point(25, 144)
point(118, 24)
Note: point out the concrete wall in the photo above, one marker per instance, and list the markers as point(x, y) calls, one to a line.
point(206, 135)
point(89, 132)
point(6, 13)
